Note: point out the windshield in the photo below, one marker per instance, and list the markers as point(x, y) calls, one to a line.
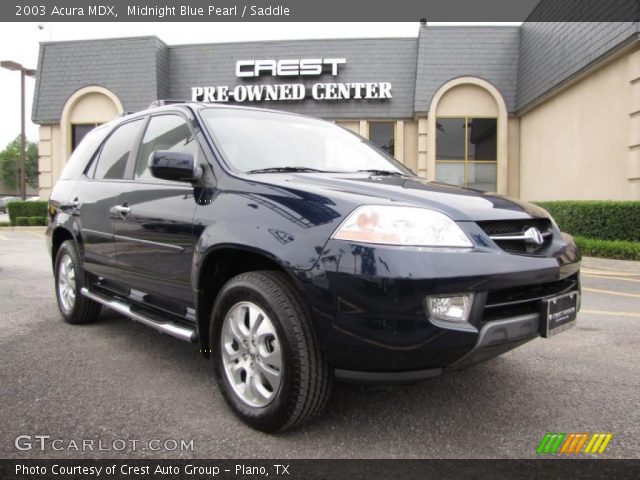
point(254, 141)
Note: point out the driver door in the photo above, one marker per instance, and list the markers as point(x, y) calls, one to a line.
point(154, 230)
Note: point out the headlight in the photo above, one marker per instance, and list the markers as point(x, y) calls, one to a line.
point(391, 225)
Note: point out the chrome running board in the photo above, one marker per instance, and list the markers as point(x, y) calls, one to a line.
point(178, 331)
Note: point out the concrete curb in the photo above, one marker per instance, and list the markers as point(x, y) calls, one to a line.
point(608, 265)
point(39, 229)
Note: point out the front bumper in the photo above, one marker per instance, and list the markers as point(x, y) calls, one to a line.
point(367, 303)
point(495, 338)
point(499, 336)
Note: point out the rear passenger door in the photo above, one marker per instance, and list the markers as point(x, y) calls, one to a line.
point(154, 232)
point(96, 196)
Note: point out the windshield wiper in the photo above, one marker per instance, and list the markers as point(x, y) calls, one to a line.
point(285, 169)
point(383, 172)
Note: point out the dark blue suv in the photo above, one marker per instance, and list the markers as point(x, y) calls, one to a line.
point(292, 251)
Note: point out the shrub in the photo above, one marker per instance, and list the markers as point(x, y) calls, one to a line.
point(22, 221)
point(37, 221)
point(619, 249)
point(26, 209)
point(603, 220)
point(5, 224)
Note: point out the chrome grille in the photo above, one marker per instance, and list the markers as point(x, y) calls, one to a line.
point(514, 236)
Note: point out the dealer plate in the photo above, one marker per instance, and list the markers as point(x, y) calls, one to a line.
point(559, 313)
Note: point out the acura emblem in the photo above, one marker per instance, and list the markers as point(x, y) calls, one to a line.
point(533, 235)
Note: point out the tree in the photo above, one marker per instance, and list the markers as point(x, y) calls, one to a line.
point(10, 165)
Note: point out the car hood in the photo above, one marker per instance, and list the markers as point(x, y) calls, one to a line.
point(461, 204)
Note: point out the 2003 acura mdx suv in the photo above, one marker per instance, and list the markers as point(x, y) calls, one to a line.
point(292, 251)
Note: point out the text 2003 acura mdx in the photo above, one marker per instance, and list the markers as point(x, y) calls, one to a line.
point(292, 251)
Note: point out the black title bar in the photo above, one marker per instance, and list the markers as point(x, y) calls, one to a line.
point(282, 469)
point(318, 10)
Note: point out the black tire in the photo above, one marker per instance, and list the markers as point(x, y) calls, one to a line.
point(82, 309)
point(306, 378)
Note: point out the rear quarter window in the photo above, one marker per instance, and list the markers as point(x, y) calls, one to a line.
point(83, 153)
point(116, 152)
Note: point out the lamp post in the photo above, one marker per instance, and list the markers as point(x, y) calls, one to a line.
point(24, 72)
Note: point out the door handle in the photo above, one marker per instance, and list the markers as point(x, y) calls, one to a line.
point(122, 209)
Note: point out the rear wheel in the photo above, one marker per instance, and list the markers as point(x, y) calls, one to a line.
point(267, 360)
point(69, 279)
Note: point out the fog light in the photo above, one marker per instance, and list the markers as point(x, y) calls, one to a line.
point(452, 308)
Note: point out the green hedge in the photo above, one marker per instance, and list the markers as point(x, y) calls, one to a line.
point(619, 249)
point(22, 221)
point(37, 221)
point(602, 220)
point(26, 209)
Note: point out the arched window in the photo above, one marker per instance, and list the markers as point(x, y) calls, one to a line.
point(467, 135)
point(85, 109)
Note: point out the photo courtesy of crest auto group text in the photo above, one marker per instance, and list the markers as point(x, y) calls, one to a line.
point(315, 240)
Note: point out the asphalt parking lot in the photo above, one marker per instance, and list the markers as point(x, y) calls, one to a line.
point(117, 379)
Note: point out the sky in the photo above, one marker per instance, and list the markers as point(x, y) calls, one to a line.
point(20, 42)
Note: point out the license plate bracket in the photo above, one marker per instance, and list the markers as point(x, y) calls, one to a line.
point(558, 313)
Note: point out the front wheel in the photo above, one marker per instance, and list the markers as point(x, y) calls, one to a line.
point(268, 363)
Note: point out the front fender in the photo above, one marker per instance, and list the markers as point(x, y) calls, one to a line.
point(266, 220)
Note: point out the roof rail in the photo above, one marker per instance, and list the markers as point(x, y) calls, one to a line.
point(162, 103)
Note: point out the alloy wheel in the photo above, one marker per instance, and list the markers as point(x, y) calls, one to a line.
point(67, 283)
point(251, 354)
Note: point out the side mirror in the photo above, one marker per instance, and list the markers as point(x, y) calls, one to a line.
point(175, 166)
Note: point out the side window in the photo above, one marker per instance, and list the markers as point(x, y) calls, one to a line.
point(165, 132)
point(116, 151)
